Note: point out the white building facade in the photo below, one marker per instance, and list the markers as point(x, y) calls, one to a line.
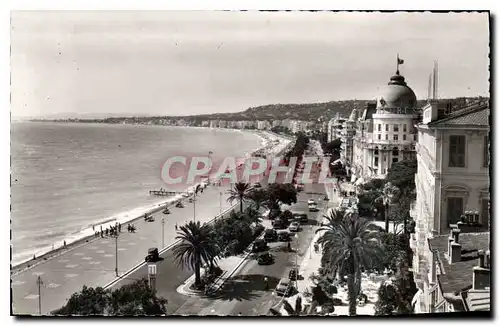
point(385, 132)
point(452, 178)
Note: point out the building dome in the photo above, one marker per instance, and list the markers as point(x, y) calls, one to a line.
point(396, 94)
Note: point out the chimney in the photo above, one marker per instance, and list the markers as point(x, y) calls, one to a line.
point(481, 273)
point(455, 248)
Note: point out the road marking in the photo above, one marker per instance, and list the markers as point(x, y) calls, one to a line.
point(105, 241)
point(100, 251)
point(16, 283)
point(63, 260)
point(92, 248)
point(94, 262)
point(87, 258)
point(131, 243)
point(53, 285)
point(38, 273)
point(31, 297)
point(71, 275)
point(78, 254)
point(108, 255)
point(122, 249)
point(71, 265)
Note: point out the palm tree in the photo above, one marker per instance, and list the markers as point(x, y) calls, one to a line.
point(197, 245)
point(252, 216)
point(241, 191)
point(259, 198)
point(349, 245)
point(298, 310)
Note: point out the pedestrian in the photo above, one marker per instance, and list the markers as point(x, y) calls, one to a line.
point(64, 243)
point(93, 228)
point(119, 227)
point(175, 226)
point(102, 234)
point(101, 228)
point(266, 283)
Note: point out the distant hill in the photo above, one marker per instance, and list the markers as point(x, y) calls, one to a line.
point(307, 112)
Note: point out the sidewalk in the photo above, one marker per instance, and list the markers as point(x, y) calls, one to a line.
point(94, 264)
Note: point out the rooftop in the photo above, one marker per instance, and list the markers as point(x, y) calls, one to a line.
point(457, 277)
point(475, 115)
point(477, 300)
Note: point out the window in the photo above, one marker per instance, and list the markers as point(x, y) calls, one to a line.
point(486, 158)
point(395, 137)
point(395, 160)
point(404, 137)
point(415, 137)
point(376, 161)
point(379, 136)
point(379, 127)
point(485, 212)
point(376, 151)
point(457, 151)
point(386, 137)
point(386, 127)
point(396, 128)
point(395, 151)
point(404, 128)
point(455, 209)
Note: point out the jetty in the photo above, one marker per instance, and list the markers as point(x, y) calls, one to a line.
point(163, 193)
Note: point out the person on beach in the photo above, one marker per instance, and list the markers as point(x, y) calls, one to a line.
point(93, 228)
point(101, 228)
point(64, 243)
point(266, 283)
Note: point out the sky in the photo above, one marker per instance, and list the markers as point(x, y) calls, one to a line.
point(196, 62)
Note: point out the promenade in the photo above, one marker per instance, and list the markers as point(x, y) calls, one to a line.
point(93, 264)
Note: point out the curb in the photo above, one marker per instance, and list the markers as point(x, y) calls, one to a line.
point(168, 247)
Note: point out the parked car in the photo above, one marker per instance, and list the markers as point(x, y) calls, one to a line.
point(301, 217)
point(257, 185)
point(179, 204)
point(279, 224)
point(283, 235)
point(284, 287)
point(300, 187)
point(259, 245)
point(294, 227)
point(152, 256)
point(265, 259)
point(270, 235)
point(311, 201)
point(313, 207)
point(293, 274)
point(166, 211)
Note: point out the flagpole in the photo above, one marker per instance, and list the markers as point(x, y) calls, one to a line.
point(397, 65)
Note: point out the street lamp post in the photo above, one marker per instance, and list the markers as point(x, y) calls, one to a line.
point(152, 276)
point(194, 207)
point(39, 283)
point(163, 232)
point(116, 254)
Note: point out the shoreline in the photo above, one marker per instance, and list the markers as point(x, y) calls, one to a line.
point(88, 235)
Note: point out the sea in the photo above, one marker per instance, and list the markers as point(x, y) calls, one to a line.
point(67, 177)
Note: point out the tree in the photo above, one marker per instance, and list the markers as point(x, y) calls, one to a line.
point(284, 193)
point(240, 191)
point(198, 245)
point(132, 299)
point(402, 174)
point(298, 310)
point(351, 244)
point(258, 197)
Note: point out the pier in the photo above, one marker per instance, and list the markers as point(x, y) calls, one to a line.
point(163, 193)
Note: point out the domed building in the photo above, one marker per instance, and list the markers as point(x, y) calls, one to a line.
point(385, 131)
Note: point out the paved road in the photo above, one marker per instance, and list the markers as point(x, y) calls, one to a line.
point(245, 292)
point(93, 264)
